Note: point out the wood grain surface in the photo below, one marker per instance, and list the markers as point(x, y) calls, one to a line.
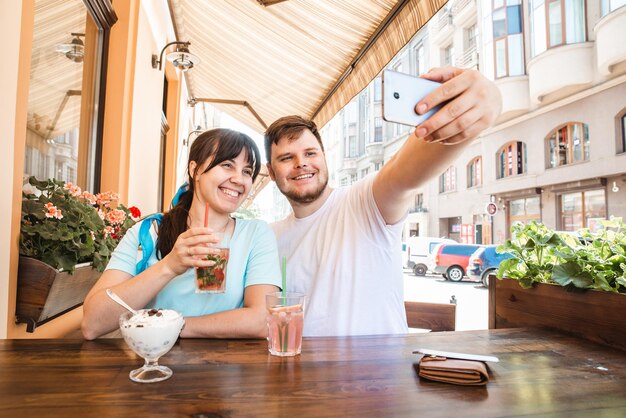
point(592, 315)
point(540, 373)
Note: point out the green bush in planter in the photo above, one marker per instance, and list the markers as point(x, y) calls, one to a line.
point(585, 260)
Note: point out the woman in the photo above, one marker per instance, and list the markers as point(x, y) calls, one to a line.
point(222, 167)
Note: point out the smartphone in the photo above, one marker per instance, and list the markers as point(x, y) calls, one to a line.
point(401, 92)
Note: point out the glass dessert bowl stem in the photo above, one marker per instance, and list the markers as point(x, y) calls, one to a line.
point(150, 372)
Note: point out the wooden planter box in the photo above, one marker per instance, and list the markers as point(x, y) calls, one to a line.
point(593, 315)
point(44, 293)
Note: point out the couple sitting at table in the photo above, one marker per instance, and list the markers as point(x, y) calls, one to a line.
point(342, 245)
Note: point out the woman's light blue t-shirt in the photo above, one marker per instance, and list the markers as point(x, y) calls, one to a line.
point(253, 260)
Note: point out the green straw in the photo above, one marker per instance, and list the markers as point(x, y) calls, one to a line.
point(284, 273)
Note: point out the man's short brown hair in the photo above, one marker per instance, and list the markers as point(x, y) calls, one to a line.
point(290, 127)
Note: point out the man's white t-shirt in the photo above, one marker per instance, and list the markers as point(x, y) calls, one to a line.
point(348, 263)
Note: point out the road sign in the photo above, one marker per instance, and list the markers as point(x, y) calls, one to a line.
point(491, 208)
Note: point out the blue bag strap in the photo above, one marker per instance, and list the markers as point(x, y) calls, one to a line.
point(182, 189)
point(145, 240)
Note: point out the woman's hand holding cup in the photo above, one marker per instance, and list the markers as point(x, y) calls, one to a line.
point(191, 250)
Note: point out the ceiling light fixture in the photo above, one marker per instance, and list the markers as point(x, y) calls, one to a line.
point(75, 49)
point(181, 58)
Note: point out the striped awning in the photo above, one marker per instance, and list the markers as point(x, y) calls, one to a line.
point(306, 57)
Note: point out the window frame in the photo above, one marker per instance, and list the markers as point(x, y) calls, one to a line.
point(104, 17)
point(521, 166)
point(569, 150)
point(505, 37)
point(620, 132)
point(583, 210)
point(475, 172)
point(419, 60)
point(606, 7)
point(564, 25)
point(447, 180)
point(85, 139)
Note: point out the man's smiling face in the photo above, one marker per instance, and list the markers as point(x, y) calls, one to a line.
point(299, 168)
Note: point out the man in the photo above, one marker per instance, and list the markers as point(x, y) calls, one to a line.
point(343, 246)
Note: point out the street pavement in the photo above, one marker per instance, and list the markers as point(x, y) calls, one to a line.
point(472, 302)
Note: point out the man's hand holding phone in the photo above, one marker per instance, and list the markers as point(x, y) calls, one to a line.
point(460, 108)
point(472, 104)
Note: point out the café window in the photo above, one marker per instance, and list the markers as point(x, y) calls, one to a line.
point(567, 144)
point(582, 210)
point(556, 22)
point(508, 42)
point(66, 92)
point(511, 160)
point(447, 181)
point(474, 172)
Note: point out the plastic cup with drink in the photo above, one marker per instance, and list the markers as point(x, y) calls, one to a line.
point(285, 320)
point(212, 279)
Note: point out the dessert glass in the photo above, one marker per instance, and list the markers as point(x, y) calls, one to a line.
point(151, 333)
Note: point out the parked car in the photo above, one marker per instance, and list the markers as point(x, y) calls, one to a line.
point(451, 260)
point(419, 250)
point(484, 262)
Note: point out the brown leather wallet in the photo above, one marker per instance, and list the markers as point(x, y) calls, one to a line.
point(457, 372)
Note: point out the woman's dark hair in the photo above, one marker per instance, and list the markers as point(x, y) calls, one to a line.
point(218, 145)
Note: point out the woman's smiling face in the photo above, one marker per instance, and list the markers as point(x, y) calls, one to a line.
point(224, 186)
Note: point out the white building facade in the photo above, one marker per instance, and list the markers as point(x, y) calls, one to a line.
point(557, 152)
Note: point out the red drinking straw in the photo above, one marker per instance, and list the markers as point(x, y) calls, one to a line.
point(206, 215)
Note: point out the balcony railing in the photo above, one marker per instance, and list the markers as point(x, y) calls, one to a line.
point(375, 152)
point(469, 58)
point(460, 5)
point(349, 166)
point(442, 23)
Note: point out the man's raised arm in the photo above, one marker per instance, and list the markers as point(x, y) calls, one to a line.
point(474, 105)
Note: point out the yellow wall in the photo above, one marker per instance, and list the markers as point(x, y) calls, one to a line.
point(172, 140)
point(119, 99)
point(16, 28)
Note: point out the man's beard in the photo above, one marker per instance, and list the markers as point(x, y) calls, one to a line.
point(308, 197)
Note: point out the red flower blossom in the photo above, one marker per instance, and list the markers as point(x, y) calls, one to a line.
point(135, 212)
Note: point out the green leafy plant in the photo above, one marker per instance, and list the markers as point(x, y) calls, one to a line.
point(585, 260)
point(64, 226)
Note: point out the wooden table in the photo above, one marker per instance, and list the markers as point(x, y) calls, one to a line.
point(540, 373)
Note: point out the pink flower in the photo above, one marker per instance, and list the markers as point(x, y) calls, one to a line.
point(108, 231)
point(53, 211)
point(101, 214)
point(90, 198)
point(115, 217)
point(75, 191)
point(105, 198)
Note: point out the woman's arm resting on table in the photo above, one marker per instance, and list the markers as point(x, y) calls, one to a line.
point(246, 322)
point(101, 314)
